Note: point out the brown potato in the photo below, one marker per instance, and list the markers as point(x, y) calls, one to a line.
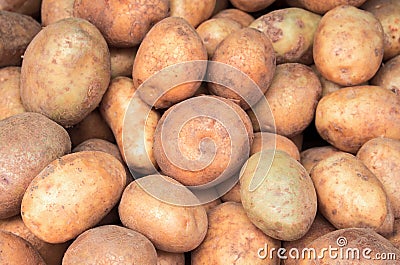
point(232, 239)
point(291, 31)
point(322, 7)
point(310, 157)
point(350, 195)
point(388, 76)
point(72, 194)
point(16, 33)
point(69, 82)
point(193, 11)
point(26, 7)
point(251, 6)
point(348, 51)
point(237, 15)
point(55, 10)
point(122, 23)
point(16, 250)
point(298, 140)
point(264, 140)
point(122, 61)
point(213, 31)
point(257, 61)
point(168, 258)
point(28, 143)
point(110, 244)
point(348, 118)
point(382, 156)
point(220, 5)
point(10, 99)
point(172, 226)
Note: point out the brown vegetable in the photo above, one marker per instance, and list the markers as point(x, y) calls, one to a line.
point(193, 11)
point(55, 10)
point(10, 98)
point(237, 15)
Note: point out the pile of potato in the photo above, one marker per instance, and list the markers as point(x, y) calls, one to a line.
point(198, 131)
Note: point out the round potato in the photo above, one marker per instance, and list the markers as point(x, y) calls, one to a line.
point(322, 7)
point(193, 11)
point(388, 76)
point(168, 258)
point(347, 118)
point(237, 15)
point(55, 10)
point(10, 97)
point(28, 143)
point(122, 23)
point(109, 244)
point(69, 82)
point(72, 194)
point(233, 239)
point(264, 141)
point(122, 61)
point(291, 31)
point(170, 225)
point(348, 51)
point(251, 6)
point(278, 195)
point(310, 157)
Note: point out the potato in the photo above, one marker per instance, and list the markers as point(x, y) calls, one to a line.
point(72, 194)
point(220, 5)
point(52, 254)
point(298, 140)
point(264, 141)
point(55, 10)
point(351, 246)
point(278, 195)
point(257, 62)
point(168, 258)
point(170, 42)
point(215, 30)
point(233, 194)
point(322, 7)
point(122, 23)
point(16, 33)
point(237, 15)
point(163, 210)
point(28, 143)
point(110, 244)
point(232, 239)
point(291, 99)
point(15, 250)
point(69, 82)
point(291, 31)
point(10, 99)
point(212, 204)
point(92, 126)
point(122, 61)
point(349, 194)
point(26, 7)
point(327, 86)
point(388, 76)
point(346, 118)
point(395, 237)
point(388, 14)
point(310, 157)
point(213, 134)
point(193, 11)
point(134, 135)
point(251, 6)
point(382, 156)
point(348, 51)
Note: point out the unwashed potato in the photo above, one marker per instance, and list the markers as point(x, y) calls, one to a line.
point(213, 31)
point(72, 194)
point(388, 14)
point(350, 195)
point(251, 5)
point(52, 254)
point(15, 250)
point(69, 82)
point(237, 15)
point(232, 239)
point(193, 11)
point(278, 195)
point(291, 31)
point(388, 76)
point(322, 7)
point(55, 10)
point(16, 32)
point(26, 7)
point(348, 45)
point(122, 61)
point(168, 258)
point(28, 143)
point(134, 134)
point(382, 156)
point(310, 157)
point(10, 98)
point(349, 117)
point(257, 61)
point(122, 23)
point(110, 244)
point(264, 140)
point(171, 225)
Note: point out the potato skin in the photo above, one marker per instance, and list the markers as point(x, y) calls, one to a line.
point(168, 258)
point(310, 157)
point(237, 15)
point(10, 98)
point(348, 51)
point(72, 194)
point(346, 118)
point(193, 11)
point(251, 6)
point(388, 76)
point(264, 140)
point(28, 143)
point(16, 33)
point(122, 61)
point(55, 10)
point(232, 239)
point(322, 7)
point(26, 7)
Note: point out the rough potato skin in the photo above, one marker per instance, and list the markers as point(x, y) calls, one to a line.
point(232, 239)
point(237, 15)
point(10, 98)
point(388, 76)
point(122, 23)
point(16, 32)
point(322, 7)
point(55, 10)
point(110, 244)
point(28, 143)
point(251, 6)
point(168, 258)
point(69, 82)
point(193, 11)
point(351, 116)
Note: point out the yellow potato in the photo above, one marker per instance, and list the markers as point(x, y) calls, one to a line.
point(10, 98)
point(237, 15)
point(193, 11)
point(55, 10)
point(388, 76)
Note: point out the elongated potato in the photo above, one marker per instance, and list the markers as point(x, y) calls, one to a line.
point(10, 97)
point(72, 194)
point(193, 11)
point(55, 10)
point(237, 15)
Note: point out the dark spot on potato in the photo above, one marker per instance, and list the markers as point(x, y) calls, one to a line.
point(300, 23)
point(334, 211)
